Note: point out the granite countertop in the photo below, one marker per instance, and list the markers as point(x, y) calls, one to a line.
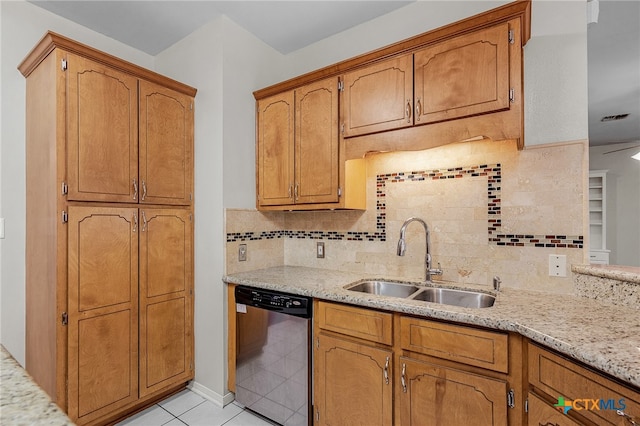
point(22, 402)
point(601, 335)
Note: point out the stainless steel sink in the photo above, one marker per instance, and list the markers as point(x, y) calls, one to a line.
point(383, 288)
point(449, 296)
point(445, 296)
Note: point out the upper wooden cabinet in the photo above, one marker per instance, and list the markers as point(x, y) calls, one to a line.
point(460, 77)
point(102, 131)
point(464, 76)
point(459, 82)
point(129, 140)
point(298, 151)
point(378, 97)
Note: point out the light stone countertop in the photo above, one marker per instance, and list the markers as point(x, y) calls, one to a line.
point(22, 401)
point(599, 334)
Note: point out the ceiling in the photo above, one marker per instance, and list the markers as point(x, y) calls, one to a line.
point(152, 26)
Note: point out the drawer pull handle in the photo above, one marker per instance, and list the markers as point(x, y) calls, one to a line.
point(632, 420)
point(402, 379)
point(407, 111)
point(386, 371)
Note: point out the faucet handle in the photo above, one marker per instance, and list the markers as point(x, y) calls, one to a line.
point(496, 283)
point(436, 271)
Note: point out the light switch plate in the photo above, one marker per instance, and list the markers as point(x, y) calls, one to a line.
point(1, 227)
point(242, 252)
point(320, 250)
point(557, 265)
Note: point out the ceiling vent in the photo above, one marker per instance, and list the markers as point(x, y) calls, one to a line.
point(614, 117)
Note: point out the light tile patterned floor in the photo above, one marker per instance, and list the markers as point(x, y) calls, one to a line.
point(189, 408)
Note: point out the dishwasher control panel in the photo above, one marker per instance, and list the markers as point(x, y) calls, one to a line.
point(276, 301)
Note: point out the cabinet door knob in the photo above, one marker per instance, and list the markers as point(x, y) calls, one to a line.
point(632, 420)
point(144, 190)
point(407, 111)
point(418, 109)
point(386, 371)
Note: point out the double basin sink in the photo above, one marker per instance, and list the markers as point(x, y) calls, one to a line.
point(445, 296)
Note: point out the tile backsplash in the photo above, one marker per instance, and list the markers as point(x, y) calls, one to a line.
point(491, 210)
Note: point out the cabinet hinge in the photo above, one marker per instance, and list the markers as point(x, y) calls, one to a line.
point(511, 399)
point(526, 405)
point(65, 188)
point(339, 192)
point(190, 217)
point(340, 86)
point(317, 342)
point(191, 106)
point(63, 64)
point(512, 95)
point(317, 415)
point(65, 217)
point(342, 128)
point(65, 318)
point(512, 38)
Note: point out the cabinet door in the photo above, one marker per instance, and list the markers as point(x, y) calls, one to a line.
point(351, 386)
point(275, 148)
point(102, 132)
point(542, 414)
point(434, 395)
point(166, 145)
point(316, 143)
point(468, 75)
point(102, 311)
point(378, 97)
point(166, 283)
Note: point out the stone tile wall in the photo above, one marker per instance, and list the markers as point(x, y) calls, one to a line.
point(491, 210)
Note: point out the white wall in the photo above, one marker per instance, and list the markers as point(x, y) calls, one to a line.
point(226, 64)
point(23, 25)
point(623, 200)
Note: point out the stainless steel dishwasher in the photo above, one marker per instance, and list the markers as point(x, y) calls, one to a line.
point(273, 361)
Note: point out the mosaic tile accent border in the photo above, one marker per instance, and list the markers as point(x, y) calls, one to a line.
point(493, 173)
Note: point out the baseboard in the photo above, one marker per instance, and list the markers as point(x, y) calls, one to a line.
point(215, 397)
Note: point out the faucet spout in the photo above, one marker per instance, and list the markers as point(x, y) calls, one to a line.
point(402, 246)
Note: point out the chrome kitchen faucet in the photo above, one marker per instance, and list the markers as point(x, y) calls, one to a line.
point(402, 247)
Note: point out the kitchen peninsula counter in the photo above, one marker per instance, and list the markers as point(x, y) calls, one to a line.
point(22, 402)
point(597, 333)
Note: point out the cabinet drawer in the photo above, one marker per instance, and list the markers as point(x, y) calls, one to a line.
point(541, 413)
point(363, 323)
point(592, 396)
point(466, 345)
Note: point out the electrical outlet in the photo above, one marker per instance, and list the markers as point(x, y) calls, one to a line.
point(320, 250)
point(557, 265)
point(242, 252)
point(1, 227)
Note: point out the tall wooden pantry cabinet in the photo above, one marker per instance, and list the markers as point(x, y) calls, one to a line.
point(109, 256)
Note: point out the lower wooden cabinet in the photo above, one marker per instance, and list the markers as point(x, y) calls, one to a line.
point(130, 331)
point(587, 396)
point(352, 383)
point(541, 413)
point(380, 368)
point(435, 395)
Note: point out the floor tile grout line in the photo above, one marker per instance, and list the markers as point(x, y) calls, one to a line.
point(185, 412)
